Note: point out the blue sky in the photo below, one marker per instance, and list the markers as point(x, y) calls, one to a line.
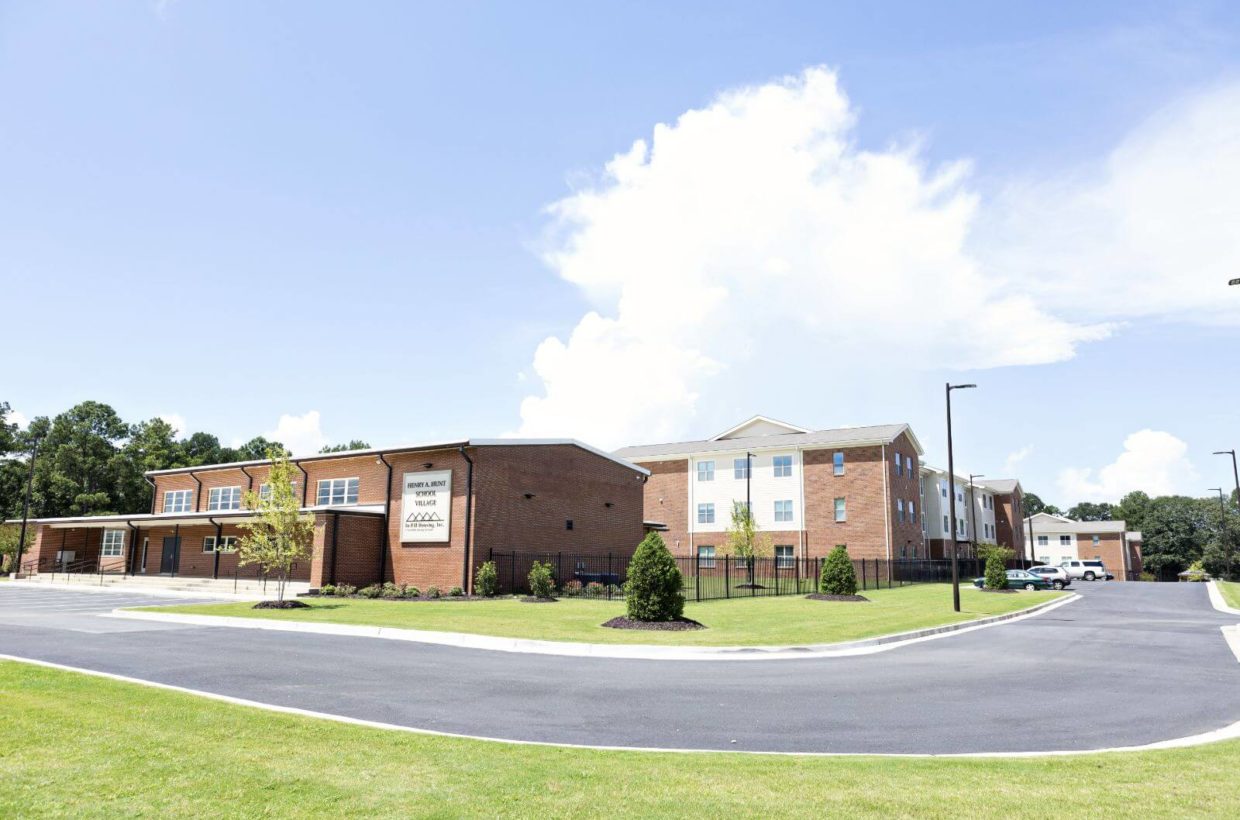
point(370, 219)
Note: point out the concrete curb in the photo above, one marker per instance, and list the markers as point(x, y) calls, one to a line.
point(1217, 601)
point(462, 640)
point(1228, 732)
point(138, 589)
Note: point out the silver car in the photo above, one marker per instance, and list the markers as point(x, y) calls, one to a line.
point(1057, 576)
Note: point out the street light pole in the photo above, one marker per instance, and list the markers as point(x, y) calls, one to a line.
point(1222, 508)
point(21, 539)
point(973, 512)
point(1234, 472)
point(951, 483)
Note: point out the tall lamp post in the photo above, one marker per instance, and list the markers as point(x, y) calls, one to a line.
point(21, 539)
point(973, 512)
point(951, 482)
point(1234, 472)
point(1222, 508)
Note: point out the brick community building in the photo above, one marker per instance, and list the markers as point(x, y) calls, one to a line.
point(809, 490)
point(423, 515)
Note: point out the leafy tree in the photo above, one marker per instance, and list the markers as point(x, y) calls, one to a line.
point(8, 430)
point(352, 444)
point(486, 580)
point(1221, 556)
point(542, 580)
point(1174, 531)
point(281, 534)
point(1035, 505)
point(151, 446)
point(75, 473)
point(996, 568)
point(1086, 511)
point(1133, 509)
point(655, 588)
point(9, 536)
point(743, 539)
point(204, 448)
point(259, 448)
point(838, 576)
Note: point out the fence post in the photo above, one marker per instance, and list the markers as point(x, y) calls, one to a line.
point(863, 586)
point(609, 584)
point(559, 568)
point(697, 578)
point(776, 571)
point(797, 570)
point(512, 573)
point(727, 577)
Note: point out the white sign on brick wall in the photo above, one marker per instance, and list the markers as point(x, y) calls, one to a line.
point(426, 506)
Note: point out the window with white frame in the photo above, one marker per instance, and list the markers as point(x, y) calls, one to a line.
point(912, 512)
point(337, 491)
point(264, 490)
point(908, 465)
point(1096, 539)
point(841, 510)
point(783, 466)
point(113, 544)
point(1065, 540)
point(943, 490)
point(706, 557)
point(706, 470)
point(899, 464)
point(740, 467)
point(227, 543)
point(837, 462)
point(783, 510)
point(947, 527)
point(1043, 541)
point(783, 556)
point(178, 501)
point(706, 513)
point(900, 510)
point(224, 498)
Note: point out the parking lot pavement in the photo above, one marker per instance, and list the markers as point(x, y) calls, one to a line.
point(77, 611)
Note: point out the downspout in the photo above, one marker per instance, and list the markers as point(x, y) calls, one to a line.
point(469, 504)
point(219, 535)
point(335, 542)
point(154, 491)
point(886, 505)
point(387, 522)
point(250, 487)
point(305, 481)
point(801, 501)
point(198, 492)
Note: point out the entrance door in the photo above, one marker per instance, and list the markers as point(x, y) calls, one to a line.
point(168, 561)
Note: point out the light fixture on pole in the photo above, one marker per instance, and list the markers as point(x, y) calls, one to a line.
point(1235, 473)
point(951, 481)
point(1222, 508)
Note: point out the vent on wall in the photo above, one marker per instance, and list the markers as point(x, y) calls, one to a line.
point(568, 524)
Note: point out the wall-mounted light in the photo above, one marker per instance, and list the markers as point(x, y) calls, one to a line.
point(428, 464)
point(608, 504)
point(528, 496)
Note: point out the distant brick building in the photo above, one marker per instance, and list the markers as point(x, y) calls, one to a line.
point(809, 489)
point(1057, 538)
point(423, 515)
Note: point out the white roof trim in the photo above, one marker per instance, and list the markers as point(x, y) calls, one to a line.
point(792, 428)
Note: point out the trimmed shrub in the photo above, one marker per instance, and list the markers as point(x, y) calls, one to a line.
point(838, 576)
point(372, 591)
point(432, 592)
point(327, 589)
point(655, 585)
point(572, 589)
point(345, 590)
point(595, 589)
point(456, 592)
point(412, 592)
point(486, 580)
point(542, 580)
point(390, 590)
point(996, 570)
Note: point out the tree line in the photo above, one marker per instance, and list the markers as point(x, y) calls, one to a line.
point(1177, 531)
point(91, 461)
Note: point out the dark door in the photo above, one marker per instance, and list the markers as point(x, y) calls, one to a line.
point(172, 548)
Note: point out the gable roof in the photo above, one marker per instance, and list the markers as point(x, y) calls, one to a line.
point(1005, 486)
point(1045, 516)
point(840, 437)
point(754, 421)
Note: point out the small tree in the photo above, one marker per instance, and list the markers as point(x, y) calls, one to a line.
point(542, 580)
point(744, 540)
point(654, 591)
point(838, 577)
point(996, 564)
point(9, 536)
point(486, 580)
point(280, 534)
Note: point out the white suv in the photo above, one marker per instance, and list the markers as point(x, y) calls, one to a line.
point(1057, 577)
point(1088, 570)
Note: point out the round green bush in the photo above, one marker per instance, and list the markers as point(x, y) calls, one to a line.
point(996, 570)
point(654, 590)
point(542, 580)
point(486, 580)
point(838, 576)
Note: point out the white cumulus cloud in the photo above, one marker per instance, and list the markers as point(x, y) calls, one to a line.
point(176, 421)
point(1011, 465)
point(753, 230)
point(15, 417)
point(302, 434)
point(1153, 460)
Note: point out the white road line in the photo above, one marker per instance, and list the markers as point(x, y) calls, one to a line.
point(1229, 732)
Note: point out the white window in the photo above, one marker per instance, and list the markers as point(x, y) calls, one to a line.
point(783, 510)
point(783, 556)
point(113, 545)
point(706, 557)
point(337, 491)
point(900, 510)
point(706, 471)
point(841, 511)
point(740, 467)
point(224, 498)
point(1065, 540)
point(908, 465)
point(1096, 539)
point(838, 463)
point(943, 490)
point(912, 512)
point(1043, 540)
point(899, 465)
point(264, 490)
point(706, 513)
point(228, 543)
point(783, 466)
point(178, 501)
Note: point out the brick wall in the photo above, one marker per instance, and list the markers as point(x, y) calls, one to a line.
point(1110, 550)
point(906, 535)
point(346, 549)
point(1010, 530)
point(666, 500)
point(861, 485)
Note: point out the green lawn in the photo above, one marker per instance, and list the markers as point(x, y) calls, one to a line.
point(78, 746)
point(1231, 592)
point(738, 622)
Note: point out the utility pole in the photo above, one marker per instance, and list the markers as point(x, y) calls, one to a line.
point(21, 539)
point(951, 483)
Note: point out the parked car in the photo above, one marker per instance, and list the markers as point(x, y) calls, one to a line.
point(1089, 570)
point(1058, 576)
point(1019, 579)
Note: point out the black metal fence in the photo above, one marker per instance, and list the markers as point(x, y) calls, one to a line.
point(710, 579)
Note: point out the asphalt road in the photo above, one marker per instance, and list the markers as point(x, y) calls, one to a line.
point(1128, 664)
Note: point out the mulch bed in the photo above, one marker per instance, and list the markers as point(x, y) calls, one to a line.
point(530, 599)
point(281, 605)
point(679, 625)
point(822, 596)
